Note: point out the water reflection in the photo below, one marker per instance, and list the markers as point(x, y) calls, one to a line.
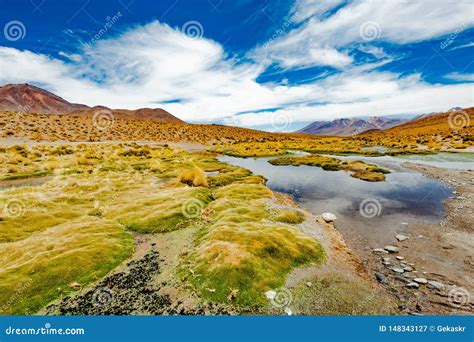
point(405, 197)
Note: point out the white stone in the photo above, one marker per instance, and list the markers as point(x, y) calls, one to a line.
point(398, 270)
point(391, 249)
point(288, 311)
point(379, 250)
point(401, 237)
point(270, 294)
point(436, 284)
point(329, 217)
point(399, 257)
point(309, 284)
point(413, 285)
point(420, 280)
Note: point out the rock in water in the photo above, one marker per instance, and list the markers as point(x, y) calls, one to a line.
point(392, 249)
point(329, 217)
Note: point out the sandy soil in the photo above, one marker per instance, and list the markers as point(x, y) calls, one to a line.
point(440, 252)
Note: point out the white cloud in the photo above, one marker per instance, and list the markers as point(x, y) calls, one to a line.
point(460, 77)
point(395, 21)
point(417, 99)
point(152, 64)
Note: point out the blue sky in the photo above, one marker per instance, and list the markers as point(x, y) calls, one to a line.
point(275, 65)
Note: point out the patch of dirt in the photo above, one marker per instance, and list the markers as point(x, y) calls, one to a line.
point(146, 285)
point(441, 252)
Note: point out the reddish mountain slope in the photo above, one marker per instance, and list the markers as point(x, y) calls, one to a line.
point(30, 99)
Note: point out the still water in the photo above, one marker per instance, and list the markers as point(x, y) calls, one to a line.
point(369, 213)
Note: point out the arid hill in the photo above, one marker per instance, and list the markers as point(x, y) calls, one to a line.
point(153, 114)
point(443, 130)
point(26, 98)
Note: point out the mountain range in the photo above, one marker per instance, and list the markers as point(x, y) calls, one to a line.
point(350, 126)
point(28, 98)
point(31, 99)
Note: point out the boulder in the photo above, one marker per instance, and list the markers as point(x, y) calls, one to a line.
point(397, 270)
point(412, 285)
point(329, 217)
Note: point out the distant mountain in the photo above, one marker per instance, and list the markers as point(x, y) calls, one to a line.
point(350, 126)
point(31, 99)
point(28, 98)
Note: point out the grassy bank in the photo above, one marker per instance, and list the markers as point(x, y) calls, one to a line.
point(358, 169)
point(76, 226)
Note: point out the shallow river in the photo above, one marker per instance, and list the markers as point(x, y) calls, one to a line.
point(369, 214)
